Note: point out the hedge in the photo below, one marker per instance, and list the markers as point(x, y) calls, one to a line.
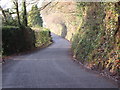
point(15, 39)
point(42, 37)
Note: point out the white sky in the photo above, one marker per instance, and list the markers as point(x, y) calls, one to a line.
point(5, 3)
point(8, 3)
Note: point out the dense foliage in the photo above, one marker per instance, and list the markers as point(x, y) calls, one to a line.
point(16, 34)
point(17, 39)
point(43, 37)
point(97, 42)
point(34, 18)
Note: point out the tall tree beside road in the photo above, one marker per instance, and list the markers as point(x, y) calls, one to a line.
point(17, 11)
point(34, 18)
point(24, 14)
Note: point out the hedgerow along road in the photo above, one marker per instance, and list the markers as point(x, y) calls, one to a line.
point(51, 67)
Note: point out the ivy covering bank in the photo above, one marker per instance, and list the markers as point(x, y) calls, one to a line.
point(97, 41)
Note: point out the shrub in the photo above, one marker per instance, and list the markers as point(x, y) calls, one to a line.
point(96, 43)
point(42, 37)
point(19, 39)
point(15, 39)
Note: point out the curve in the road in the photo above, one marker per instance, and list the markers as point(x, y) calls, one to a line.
point(51, 67)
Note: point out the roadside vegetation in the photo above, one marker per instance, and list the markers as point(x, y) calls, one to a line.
point(94, 31)
point(22, 30)
point(97, 41)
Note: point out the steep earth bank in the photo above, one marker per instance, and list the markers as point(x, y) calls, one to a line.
point(93, 29)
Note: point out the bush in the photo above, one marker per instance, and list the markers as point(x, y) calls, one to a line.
point(42, 37)
point(96, 43)
point(16, 39)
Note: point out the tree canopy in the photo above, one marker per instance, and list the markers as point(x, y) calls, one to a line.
point(34, 17)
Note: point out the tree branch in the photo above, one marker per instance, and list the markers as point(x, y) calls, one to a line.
point(45, 6)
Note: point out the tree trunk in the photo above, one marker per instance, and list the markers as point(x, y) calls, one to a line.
point(3, 12)
point(17, 11)
point(24, 13)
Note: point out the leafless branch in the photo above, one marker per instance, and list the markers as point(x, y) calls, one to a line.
point(43, 7)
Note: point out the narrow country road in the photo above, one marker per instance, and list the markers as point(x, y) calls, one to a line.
point(51, 67)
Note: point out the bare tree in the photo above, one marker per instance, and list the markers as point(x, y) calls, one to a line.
point(24, 13)
point(17, 10)
point(36, 1)
point(43, 7)
point(3, 12)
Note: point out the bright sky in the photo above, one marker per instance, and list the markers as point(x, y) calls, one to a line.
point(5, 3)
point(8, 3)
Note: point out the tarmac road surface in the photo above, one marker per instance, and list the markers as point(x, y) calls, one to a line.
point(51, 67)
